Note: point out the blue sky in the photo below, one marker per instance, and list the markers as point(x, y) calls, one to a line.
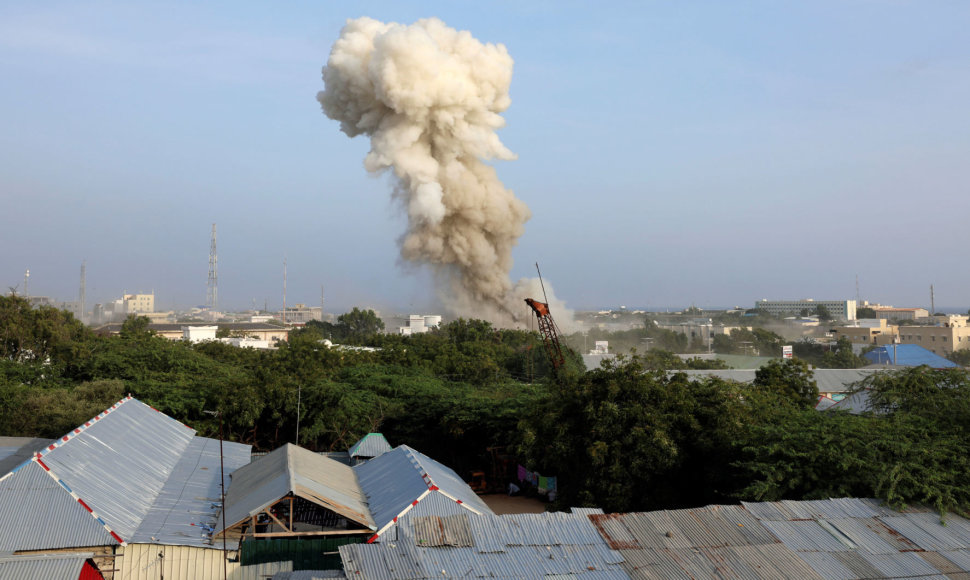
point(706, 153)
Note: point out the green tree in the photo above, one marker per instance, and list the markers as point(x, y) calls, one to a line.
point(790, 377)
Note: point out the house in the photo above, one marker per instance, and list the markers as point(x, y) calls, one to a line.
point(907, 355)
point(133, 487)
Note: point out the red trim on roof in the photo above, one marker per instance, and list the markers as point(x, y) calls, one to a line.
point(44, 466)
point(371, 539)
point(116, 536)
point(84, 505)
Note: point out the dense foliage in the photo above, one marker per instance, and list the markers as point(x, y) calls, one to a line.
point(634, 434)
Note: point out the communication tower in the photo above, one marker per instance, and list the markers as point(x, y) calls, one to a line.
point(212, 296)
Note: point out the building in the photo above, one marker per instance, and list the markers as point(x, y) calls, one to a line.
point(837, 309)
point(138, 303)
point(868, 332)
point(134, 489)
point(890, 313)
point(419, 323)
point(199, 333)
point(941, 339)
point(300, 314)
point(700, 331)
point(268, 333)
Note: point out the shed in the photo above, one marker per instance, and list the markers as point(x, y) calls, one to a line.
point(910, 355)
point(293, 492)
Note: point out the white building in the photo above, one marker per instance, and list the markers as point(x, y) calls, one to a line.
point(839, 309)
point(199, 333)
point(419, 323)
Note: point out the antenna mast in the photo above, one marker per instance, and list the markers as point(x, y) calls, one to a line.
point(212, 294)
point(284, 290)
point(26, 279)
point(932, 301)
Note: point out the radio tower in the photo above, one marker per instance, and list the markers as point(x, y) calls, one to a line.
point(80, 306)
point(212, 296)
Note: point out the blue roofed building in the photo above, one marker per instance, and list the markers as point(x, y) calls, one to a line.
point(907, 355)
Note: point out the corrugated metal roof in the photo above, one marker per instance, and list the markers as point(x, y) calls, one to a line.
point(187, 508)
point(292, 469)
point(38, 514)
point(370, 445)
point(46, 566)
point(393, 481)
point(927, 534)
point(435, 531)
point(901, 565)
point(129, 474)
point(309, 575)
point(506, 546)
point(16, 450)
point(119, 463)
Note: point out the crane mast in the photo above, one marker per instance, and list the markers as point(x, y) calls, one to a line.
point(547, 327)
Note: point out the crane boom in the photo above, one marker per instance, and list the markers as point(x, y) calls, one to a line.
point(547, 328)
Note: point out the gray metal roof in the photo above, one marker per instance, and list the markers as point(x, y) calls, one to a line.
point(828, 380)
point(370, 445)
point(46, 566)
point(16, 450)
point(393, 481)
point(187, 508)
point(488, 545)
point(129, 474)
point(119, 462)
point(832, 539)
point(292, 469)
point(30, 496)
point(309, 575)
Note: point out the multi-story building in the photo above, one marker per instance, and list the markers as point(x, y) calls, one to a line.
point(942, 339)
point(838, 309)
point(868, 332)
point(419, 323)
point(139, 303)
point(700, 330)
point(300, 314)
point(890, 313)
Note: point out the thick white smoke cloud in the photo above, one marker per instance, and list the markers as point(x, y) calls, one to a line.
point(430, 97)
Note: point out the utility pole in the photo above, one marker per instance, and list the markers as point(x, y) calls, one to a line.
point(284, 290)
point(932, 301)
point(212, 294)
point(26, 279)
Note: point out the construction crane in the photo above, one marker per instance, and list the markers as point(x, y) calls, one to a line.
point(547, 327)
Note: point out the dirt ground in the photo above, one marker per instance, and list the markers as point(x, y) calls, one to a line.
point(505, 504)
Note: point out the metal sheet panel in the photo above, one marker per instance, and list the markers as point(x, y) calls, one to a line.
point(16, 450)
point(38, 514)
point(862, 535)
point(151, 562)
point(370, 446)
point(187, 508)
point(775, 561)
point(902, 565)
point(435, 531)
point(119, 464)
point(826, 565)
point(923, 533)
point(47, 566)
point(805, 536)
point(959, 557)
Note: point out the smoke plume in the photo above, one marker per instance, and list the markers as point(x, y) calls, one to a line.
point(430, 97)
